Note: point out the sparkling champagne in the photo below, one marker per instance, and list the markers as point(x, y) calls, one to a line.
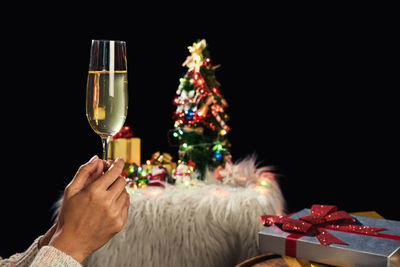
point(107, 101)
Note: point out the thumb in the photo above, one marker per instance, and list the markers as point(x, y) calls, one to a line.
point(81, 177)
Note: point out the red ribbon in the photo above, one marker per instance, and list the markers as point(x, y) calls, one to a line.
point(321, 217)
point(125, 132)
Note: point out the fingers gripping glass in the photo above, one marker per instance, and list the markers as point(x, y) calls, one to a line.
point(107, 89)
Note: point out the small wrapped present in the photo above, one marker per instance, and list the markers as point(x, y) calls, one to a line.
point(160, 160)
point(326, 235)
point(124, 145)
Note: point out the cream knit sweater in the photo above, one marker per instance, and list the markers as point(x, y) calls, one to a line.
point(46, 256)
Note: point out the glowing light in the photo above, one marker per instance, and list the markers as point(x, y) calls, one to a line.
point(184, 146)
point(242, 179)
point(216, 91)
point(218, 192)
point(131, 169)
point(153, 192)
point(223, 132)
point(217, 108)
point(217, 147)
point(264, 182)
point(175, 134)
point(262, 189)
point(148, 162)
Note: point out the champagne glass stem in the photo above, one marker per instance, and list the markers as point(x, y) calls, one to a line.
point(105, 141)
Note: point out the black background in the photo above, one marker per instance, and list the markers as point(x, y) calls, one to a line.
point(308, 93)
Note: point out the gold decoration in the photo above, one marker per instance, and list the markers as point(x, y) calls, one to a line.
point(195, 60)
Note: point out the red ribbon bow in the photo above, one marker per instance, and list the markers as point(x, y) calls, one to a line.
point(321, 217)
point(125, 132)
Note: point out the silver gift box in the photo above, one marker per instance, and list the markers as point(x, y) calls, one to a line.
point(361, 250)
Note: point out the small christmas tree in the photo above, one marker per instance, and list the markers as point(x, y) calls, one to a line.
point(200, 118)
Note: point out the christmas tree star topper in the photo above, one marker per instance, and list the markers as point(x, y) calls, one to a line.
point(195, 60)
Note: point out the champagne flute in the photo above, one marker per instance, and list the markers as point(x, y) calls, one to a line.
point(107, 89)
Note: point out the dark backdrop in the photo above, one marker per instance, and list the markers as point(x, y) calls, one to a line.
point(309, 96)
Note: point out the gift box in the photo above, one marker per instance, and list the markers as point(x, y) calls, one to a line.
point(124, 145)
point(332, 237)
point(127, 148)
point(160, 160)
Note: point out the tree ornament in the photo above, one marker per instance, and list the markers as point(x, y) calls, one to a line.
point(217, 156)
point(182, 173)
point(189, 114)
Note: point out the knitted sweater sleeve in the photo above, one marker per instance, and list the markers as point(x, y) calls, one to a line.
point(46, 256)
point(22, 259)
point(50, 256)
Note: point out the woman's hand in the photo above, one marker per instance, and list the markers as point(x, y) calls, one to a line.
point(93, 210)
point(95, 171)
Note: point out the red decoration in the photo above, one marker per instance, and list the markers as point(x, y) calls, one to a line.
point(156, 183)
point(207, 62)
point(157, 173)
point(216, 91)
point(125, 132)
point(191, 163)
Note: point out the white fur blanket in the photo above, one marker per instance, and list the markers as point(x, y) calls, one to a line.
point(210, 224)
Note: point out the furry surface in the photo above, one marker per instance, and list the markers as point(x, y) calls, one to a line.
point(212, 223)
